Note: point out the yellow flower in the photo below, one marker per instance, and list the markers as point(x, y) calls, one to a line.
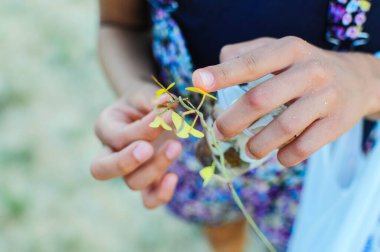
point(159, 121)
point(207, 173)
point(184, 130)
point(163, 88)
point(200, 91)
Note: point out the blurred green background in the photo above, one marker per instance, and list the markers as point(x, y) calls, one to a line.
point(51, 91)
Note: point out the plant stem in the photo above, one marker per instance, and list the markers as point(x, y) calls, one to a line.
point(189, 112)
point(201, 103)
point(251, 222)
point(222, 168)
point(235, 195)
point(195, 121)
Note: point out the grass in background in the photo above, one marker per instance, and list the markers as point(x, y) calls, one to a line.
point(51, 91)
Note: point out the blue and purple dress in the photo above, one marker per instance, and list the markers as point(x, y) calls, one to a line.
point(188, 34)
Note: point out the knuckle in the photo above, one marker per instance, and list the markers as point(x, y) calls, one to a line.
point(222, 73)
point(265, 40)
point(250, 62)
point(227, 52)
point(299, 46)
point(317, 71)
point(100, 130)
point(116, 143)
point(256, 99)
point(285, 126)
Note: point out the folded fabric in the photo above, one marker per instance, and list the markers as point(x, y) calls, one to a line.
point(340, 205)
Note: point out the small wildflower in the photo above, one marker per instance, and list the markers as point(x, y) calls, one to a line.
point(159, 121)
point(184, 130)
point(200, 91)
point(207, 173)
point(163, 88)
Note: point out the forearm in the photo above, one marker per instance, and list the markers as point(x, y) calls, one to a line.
point(125, 57)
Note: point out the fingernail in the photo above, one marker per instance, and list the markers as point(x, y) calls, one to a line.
point(142, 152)
point(173, 151)
point(218, 135)
point(168, 184)
point(249, 153)
point(170, 180)
point(207, 78)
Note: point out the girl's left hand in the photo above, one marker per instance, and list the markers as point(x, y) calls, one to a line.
point(328, 91)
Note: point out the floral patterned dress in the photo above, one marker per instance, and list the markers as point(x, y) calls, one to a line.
point(270, 192)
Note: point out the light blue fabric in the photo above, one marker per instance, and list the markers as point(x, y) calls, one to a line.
point(340, 205)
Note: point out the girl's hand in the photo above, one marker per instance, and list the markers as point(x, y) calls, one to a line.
point(329, 92)
point(131, 149)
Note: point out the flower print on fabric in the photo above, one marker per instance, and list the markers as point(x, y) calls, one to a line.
point(270, 192)
point(169, 47)
point(346, 19)
point(345, 22)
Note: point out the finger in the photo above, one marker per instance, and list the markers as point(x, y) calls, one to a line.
point(112, 133)
point(156, 167)
point(231, 51)
point(139, 99)
point(312, 139)
point(267, 59)
point(147, 107)
point(262, 99)
point(112, 122)
point(295, 119)
point(113, 164)
point(161, 193)
point(162, 99)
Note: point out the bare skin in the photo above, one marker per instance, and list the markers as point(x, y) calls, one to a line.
point(130, 150)
point(329, 92)
point(134, 151)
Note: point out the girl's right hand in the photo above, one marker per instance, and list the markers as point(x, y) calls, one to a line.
point(131, 149)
